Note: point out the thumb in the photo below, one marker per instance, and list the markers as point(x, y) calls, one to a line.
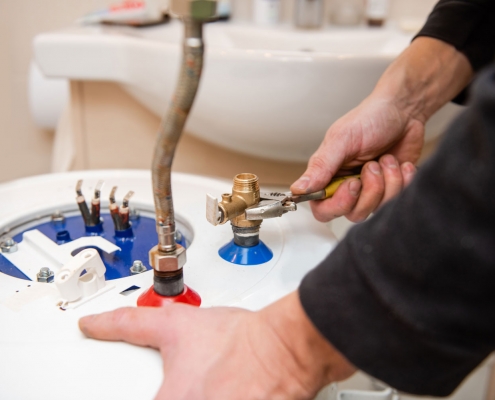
point(138, 326)
point(322, 166)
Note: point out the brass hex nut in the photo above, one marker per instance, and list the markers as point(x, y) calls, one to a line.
point(167, 262)
point(203, 9)
point(197, 9)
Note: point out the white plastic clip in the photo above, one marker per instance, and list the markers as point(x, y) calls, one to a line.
point(75, 288)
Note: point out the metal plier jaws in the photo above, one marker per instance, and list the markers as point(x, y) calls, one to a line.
point(275, 204)
point(271, 205)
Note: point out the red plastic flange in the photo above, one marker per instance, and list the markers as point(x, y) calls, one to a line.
point(152, 299)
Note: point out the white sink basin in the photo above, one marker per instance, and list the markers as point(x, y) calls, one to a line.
point(271, 92)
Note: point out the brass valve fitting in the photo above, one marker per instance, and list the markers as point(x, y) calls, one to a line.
point(245, 193)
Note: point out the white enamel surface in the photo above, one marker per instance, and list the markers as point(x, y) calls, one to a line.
point(43, 353)
point(387, 394)
point(265, 91)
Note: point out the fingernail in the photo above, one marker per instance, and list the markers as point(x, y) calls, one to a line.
point(302, 183)
point(84, 322)
point(409, 168)
point(88, 318)
point(355, 187)
point(375, 168)
point(390, 161)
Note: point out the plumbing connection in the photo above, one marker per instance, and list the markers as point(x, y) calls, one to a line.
point(246, 208)
point(168, 257)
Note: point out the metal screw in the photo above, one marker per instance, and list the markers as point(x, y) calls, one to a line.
point(58, 217)
point(8, 245)
point(133, 214)
point(178, 236)
point(45, 275)
point(137, 267)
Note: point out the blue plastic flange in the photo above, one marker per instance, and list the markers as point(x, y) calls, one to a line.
point(134, 242)
point(94, 230)
point(63, 237)
point(254, 255)
point(125, 234)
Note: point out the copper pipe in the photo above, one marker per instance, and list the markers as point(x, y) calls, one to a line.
point(171, 129)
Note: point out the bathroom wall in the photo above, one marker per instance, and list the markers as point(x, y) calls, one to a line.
point(25, 149)
point(414, 9)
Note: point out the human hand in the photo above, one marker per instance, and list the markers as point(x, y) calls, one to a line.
point(386, 125)
point(229, 353)
point(376, 129)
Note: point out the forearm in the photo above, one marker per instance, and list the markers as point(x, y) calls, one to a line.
point(408, 296)
point(427, 75)
point(315, 361)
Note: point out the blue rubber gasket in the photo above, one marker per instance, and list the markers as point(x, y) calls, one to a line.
point(254, 255)
point(135, 243)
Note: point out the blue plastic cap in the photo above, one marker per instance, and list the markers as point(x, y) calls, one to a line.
point(125, 234)
point(254, 255)
point(63, 237)
point(94, 230)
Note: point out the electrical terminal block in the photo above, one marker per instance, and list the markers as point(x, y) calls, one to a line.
point(120, 215)
point(91, 219)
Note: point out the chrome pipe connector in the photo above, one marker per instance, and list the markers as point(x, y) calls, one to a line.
point(166, 238)
point(246, 237)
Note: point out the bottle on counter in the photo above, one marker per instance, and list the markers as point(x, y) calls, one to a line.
point(346, 12)
point(266, 12)
point(308, 14)
point(224, 10)
point(376, 12)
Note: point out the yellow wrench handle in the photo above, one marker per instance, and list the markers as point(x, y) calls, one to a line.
point(336, 182)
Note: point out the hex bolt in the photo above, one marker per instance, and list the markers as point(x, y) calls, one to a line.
point(137, 267)
point(58, 217)
point(45, 275)
point(8, 245)
point(133, 214)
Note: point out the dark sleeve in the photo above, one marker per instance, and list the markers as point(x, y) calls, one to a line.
point(408, 296)
point(468, 25)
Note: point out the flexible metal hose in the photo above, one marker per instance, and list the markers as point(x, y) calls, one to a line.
point(171, 129)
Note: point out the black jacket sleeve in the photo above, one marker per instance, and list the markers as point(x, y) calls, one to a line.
point(468, 25)
point(408, 296)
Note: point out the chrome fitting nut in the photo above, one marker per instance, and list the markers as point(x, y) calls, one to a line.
point(8, 245)
point(137, 267)
point(167, 262)
point(45, 275)
point(58, 217)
